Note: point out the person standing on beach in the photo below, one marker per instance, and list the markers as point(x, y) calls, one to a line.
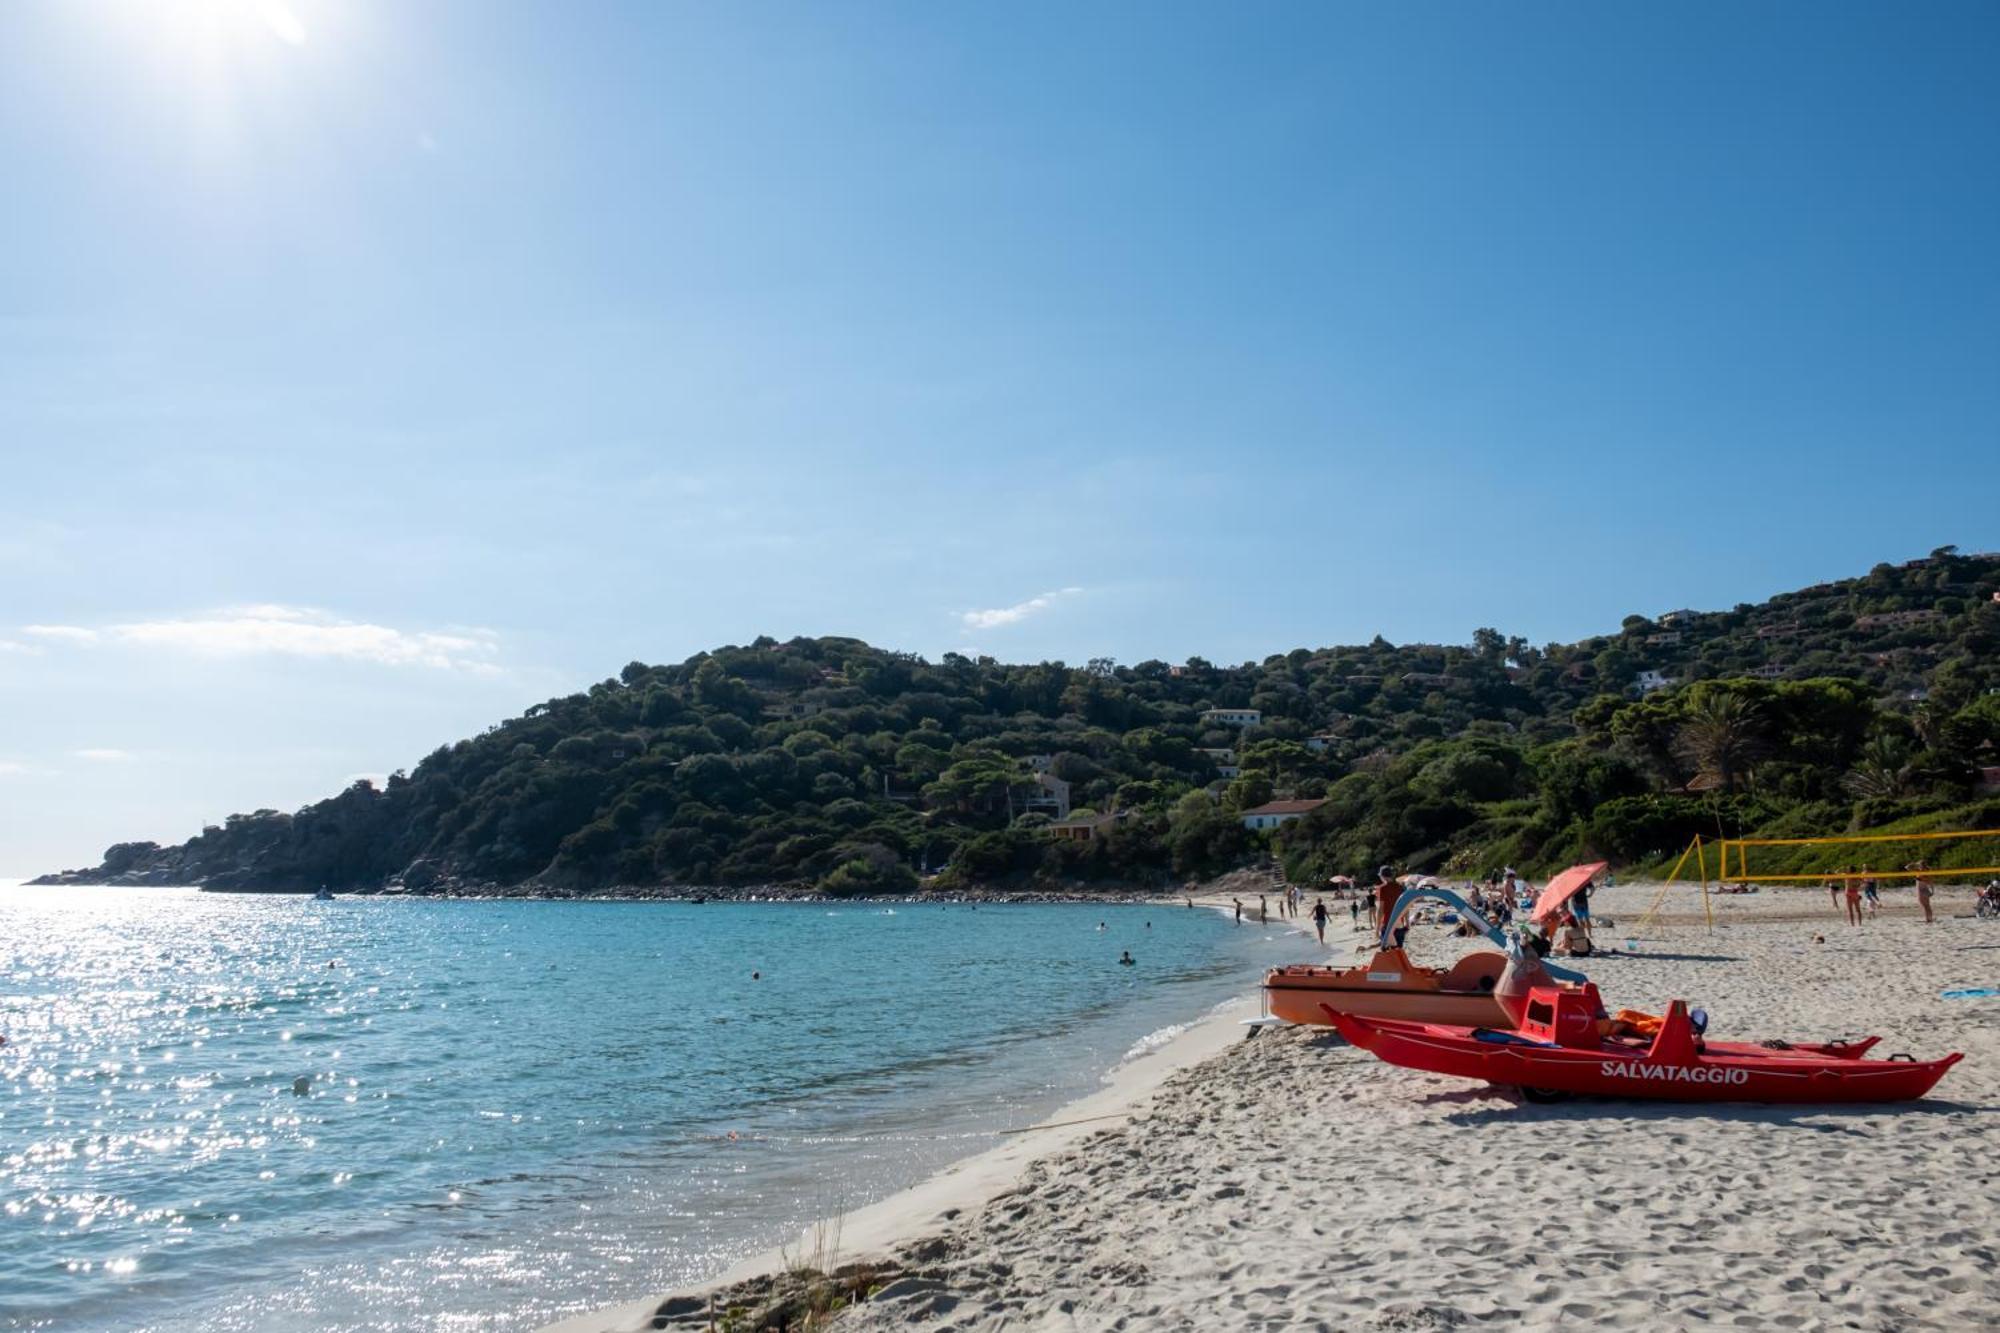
point(1319, 918)
point(1263, 910)
point(1833, 891)
point(1387, 890)
point(1854, 902)
point(1579, 906)
point(1354, 912)
point(1239, 910)
point(1923, 887)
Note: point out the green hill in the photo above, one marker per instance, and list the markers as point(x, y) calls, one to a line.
point(829, 763)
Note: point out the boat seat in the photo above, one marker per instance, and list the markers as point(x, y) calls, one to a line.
point(1475, 972)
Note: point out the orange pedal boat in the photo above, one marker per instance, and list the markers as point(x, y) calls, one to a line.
point(1389, 985)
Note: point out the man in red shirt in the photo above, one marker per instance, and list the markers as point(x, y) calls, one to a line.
point(1387, 890)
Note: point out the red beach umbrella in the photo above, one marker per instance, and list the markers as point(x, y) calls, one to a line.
point(1562, 886)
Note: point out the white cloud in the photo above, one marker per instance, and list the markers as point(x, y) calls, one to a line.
point(11, 769)
point(290, 631)
point(1013, 615)
point(105, 756)
point(24, 649)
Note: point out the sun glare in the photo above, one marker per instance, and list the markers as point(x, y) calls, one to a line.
point(226, 29)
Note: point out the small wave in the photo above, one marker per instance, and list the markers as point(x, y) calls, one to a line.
point(1149, 1043)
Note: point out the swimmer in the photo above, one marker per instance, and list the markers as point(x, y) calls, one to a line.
point(756, 976)
point(1126, 959)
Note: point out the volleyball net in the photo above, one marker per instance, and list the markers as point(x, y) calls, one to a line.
point(1963, 854)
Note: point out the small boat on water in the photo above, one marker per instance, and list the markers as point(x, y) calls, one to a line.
point(1389, 985)
point(1566, 1045)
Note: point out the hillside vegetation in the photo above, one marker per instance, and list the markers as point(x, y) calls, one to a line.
point(828, 763)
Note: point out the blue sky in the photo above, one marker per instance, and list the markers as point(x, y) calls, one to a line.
point(370, 371)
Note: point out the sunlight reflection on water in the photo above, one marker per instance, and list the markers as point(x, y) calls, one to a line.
point(228, 1112)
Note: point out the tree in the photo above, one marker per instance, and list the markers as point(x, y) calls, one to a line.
point(1722, 737)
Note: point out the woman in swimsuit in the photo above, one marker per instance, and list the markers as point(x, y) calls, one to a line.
point(1853, 902)
point(1923, 887)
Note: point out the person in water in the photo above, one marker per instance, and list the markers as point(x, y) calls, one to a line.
point(1319, 918)
point(1125, 959)
point(1239, 910)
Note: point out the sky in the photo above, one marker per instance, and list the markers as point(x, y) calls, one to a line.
point(371, 371)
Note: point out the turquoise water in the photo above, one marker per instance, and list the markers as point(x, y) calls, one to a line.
point(514, 1110)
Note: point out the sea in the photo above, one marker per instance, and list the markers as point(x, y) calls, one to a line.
point(230, 1111)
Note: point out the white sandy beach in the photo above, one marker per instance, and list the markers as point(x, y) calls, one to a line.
point(1294, 1182)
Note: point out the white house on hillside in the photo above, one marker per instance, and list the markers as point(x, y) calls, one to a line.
point(1649, 681)
point(1224, 761)
point(1234, 717)
point(1273, 813)
point(1051, 795)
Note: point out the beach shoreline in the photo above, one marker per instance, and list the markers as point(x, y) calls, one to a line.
point(1208, 1185)
point(965, 1185)
point(973, 1181)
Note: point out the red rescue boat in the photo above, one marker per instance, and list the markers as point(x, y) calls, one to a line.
point(1564, 1045)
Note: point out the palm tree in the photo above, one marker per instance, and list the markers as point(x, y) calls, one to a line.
point(1722, 738)
point(1884, 769)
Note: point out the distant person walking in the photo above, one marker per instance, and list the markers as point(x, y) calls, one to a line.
point(1833, 891)
point(1354, 912)
point(1319, 918)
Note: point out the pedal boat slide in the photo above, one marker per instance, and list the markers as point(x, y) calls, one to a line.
point(1564, 1046)
point(1389, 985)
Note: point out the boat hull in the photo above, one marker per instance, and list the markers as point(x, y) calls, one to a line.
point(1720, 1073)
point(1389, 985)
point(1306, 1000)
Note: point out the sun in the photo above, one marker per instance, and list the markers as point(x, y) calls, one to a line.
point(235, 22)
point(217, 33)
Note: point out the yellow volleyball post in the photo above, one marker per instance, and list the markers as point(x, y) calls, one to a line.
point(1652, 913)
point(1701, 860)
